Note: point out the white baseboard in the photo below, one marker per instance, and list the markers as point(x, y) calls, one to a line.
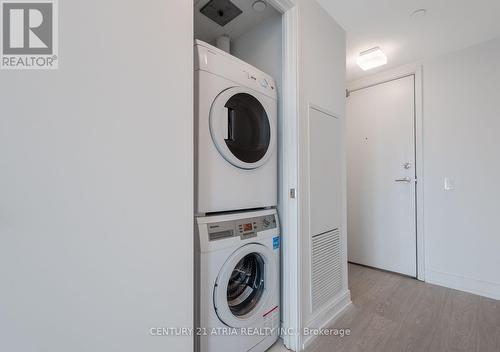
point(458, 282)
point(327, 316)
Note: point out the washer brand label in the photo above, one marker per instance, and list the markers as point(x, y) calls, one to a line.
point(276, 242)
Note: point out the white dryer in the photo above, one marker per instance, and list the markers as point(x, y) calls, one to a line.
point(235, 133)
point(237, 282)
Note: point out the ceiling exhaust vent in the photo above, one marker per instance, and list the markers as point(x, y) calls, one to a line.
point(221, 11)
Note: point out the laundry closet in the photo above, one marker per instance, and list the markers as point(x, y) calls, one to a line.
point(257, 173)
point(237, 76)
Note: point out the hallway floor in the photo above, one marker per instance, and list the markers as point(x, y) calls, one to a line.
point(395, 313)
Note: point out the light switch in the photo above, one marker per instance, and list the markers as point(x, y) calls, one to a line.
point(449, 184)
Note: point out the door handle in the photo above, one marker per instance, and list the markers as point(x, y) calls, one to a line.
point(404, 179)
point(228, 127)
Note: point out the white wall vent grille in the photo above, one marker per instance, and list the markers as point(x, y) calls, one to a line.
point(326, 268)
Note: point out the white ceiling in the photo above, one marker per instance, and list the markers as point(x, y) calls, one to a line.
point(449, 25)
point(207, 30)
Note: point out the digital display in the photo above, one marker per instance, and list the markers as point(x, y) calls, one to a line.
point(247, 227)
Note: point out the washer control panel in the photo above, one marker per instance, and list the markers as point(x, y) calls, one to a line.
point(244, 228)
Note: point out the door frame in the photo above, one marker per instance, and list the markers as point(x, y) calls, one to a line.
point(415, 70)
point(288, 183)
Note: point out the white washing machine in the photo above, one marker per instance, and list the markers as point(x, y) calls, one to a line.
point(237, 282)
point(235, 133)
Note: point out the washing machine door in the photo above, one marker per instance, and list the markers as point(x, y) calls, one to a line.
point(244, 286)
point(241, 127)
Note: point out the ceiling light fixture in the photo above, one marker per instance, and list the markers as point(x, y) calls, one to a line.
point(418, 14)
point(371, 58)
point(259, 6)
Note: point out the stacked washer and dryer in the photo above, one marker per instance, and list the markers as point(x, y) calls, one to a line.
point(237, 229)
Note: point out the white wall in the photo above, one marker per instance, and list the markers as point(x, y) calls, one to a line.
point(96, 184)
point(461, 141)
point(322, 83)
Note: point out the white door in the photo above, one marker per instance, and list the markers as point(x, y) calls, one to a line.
point(381, 184)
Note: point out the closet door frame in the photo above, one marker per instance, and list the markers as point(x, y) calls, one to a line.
point(288, 158)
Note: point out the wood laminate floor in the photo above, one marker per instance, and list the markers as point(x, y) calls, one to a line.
point(395, 313)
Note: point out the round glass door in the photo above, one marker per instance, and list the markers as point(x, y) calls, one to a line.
point(246, 285)
point(249, 132)
point(241, 127)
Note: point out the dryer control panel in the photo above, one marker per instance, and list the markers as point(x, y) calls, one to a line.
point(263, 82)
point(211, 59)
point(244, 228)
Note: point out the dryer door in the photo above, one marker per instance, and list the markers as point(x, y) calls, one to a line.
point(241, 127)
point(246, 283)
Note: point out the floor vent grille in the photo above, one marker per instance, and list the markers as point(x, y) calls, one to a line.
point(326, 268)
